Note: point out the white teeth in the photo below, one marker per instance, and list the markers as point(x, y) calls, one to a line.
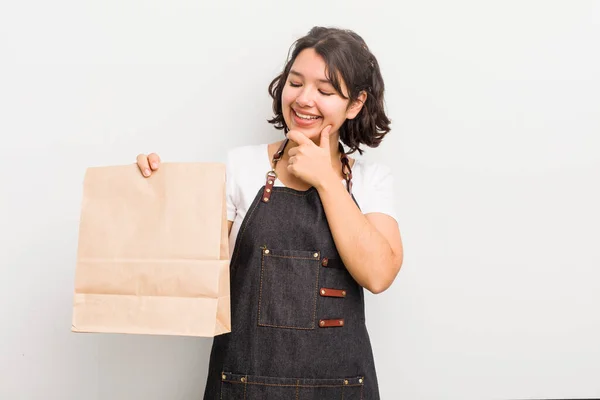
point(308, 117)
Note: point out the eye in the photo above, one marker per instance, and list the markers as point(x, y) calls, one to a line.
point(293, 84)
point(326, 93)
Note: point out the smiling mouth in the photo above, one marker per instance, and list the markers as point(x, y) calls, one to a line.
point(305, 117)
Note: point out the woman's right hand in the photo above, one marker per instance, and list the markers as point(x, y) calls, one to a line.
point(148, 163)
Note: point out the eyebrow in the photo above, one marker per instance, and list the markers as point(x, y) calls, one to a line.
point(302, 76)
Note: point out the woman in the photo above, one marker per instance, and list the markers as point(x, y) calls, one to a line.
point(310, 235)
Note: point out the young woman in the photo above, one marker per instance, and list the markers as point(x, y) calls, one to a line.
point(310, 228)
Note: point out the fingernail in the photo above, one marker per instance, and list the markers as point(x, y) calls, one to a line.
point(154, 165)
point(146, 172)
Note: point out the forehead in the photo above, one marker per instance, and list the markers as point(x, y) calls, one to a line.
point(310, 65)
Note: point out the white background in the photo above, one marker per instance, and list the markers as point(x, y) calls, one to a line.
point(495, 149)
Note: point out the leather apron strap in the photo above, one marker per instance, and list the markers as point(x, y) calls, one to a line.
point(272, 175)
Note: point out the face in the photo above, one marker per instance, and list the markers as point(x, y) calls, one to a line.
point(310, 102)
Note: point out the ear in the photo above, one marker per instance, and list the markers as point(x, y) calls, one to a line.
point(356, 106)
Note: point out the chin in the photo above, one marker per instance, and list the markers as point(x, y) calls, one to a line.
point(312, 134)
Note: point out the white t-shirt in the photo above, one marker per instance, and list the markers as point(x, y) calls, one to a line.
point(247, 166)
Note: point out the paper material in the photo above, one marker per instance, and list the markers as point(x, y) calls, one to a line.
point(153, 253)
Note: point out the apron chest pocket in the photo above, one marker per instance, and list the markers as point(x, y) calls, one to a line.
point(289, 281)
point(238, 387)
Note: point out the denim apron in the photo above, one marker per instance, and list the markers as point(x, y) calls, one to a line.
point(298, 322)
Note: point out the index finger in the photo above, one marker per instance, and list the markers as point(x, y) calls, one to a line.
point(142, 163)
point(298, 137)
point(154, 161)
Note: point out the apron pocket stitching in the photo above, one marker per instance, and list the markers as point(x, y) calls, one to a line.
point(287, 327)
point(353, 381)
point(291, 385)
point(293, 257)
point(279, 254)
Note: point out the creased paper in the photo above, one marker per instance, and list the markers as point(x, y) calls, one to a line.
point(153, 253)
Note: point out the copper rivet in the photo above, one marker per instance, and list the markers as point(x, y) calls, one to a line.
point(345, 381)
point(224, 376)
point(360, 380)
point(270, 182)
point(343, 293)
point(341, 322)
point(322, 323)
point(323, 291)
point(266, 199)
point(325, 262)
point(268, 190)
point(316, 255)
point(267, 251)
point(243, 379)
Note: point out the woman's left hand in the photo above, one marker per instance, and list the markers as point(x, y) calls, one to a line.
point(310, 162)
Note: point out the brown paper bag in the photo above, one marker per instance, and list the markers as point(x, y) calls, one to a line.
point(153, 253)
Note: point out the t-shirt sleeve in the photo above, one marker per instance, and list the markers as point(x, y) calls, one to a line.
point(232, 190)
point(379, 193)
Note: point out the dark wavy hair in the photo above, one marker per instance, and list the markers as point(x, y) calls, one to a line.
point(347, 57)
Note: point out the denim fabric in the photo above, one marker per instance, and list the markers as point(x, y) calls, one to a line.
point(276, 349)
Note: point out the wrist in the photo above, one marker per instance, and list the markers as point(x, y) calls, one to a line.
point(327, 180)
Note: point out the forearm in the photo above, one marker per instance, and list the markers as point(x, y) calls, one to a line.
point(366, 253)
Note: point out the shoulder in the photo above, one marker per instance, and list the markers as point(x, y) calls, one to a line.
point(244, 165)
point(372, 172)
point(374, 187)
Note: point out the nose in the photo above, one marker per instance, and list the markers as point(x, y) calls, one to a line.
point(305, 98)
